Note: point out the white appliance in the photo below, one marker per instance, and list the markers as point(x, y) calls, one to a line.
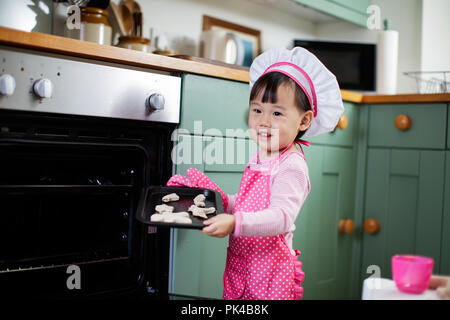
point(222, 46)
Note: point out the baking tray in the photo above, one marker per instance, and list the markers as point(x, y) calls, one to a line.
point(152, 196)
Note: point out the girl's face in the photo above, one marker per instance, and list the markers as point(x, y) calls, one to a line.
point(273, 126)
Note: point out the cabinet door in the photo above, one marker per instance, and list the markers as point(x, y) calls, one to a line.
point(214, 107)
point(445, 250)
point(427, 131)
point(188, 153)
point(404, 192)
point(356, 5)
point(348, 10)
point(326, 253)
point(341, 137)
point(448, 126)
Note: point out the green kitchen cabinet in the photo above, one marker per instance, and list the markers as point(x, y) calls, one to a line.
point(198, 261)
point(353, 11)
point(405, 194)
point(445, 249)
point(326, 254)
point(355, 5)
point(188, 153)
point(341, 137)
point(448, 126)
point(427, 131)
point(214, 107)
point(214, 139)
point(210, 108)
point(369, 170)
point(402, 185)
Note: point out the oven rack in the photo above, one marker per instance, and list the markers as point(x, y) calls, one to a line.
point(61, 265)
point(36, 189)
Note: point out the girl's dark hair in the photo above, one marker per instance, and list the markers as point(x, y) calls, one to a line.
point(270, 83)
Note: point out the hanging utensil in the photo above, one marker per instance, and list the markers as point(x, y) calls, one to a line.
point(129, 4)
point(137, 10)
point(127, 19)
point(138, 23)
point(101, 4)
point(136, 7)
point(135, 25)
point(80, 3)
point(116, 19)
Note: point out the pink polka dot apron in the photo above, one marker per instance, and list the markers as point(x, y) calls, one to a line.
point(260, 268)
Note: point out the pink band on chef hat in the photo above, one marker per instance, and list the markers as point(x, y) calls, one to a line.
point(300, 77)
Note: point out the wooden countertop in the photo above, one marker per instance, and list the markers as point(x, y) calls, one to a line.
point(77, 48)
point(84, 49)
point(396, 98)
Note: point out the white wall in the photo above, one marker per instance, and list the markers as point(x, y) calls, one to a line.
point(185, 17)
point(26, 15)
point(423, 26)
point(436, 35)
point(418, 47)
point(405, 16)
point(424, 40)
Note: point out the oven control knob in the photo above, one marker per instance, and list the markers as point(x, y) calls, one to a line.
point(155, 102)
point(7, 85)
point(43, 88)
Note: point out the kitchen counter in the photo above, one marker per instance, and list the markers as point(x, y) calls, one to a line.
point(83, 49)
point(395, 98)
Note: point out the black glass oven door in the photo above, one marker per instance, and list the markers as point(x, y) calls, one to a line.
point(67, 217)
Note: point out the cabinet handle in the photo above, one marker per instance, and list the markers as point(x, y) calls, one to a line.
point(346, 226)
point(341, 226)
point(402, 122)
point(343, 122)
point(371, 225)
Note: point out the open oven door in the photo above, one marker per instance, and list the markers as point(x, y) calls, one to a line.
point(68, 224)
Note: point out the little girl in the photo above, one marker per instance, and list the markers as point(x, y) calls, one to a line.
point(292, 94)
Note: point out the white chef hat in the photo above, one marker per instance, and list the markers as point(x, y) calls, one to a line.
point(318, 83)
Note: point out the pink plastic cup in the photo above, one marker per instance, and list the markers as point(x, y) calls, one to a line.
point(412, 273)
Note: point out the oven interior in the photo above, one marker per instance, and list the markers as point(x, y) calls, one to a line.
point(69, 188)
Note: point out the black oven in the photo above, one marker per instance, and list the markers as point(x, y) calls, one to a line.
point(69, 189)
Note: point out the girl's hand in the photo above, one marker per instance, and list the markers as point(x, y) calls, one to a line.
point(219, 226)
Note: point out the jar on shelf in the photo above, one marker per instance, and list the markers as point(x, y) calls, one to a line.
point(135, 43)
point(95, 26)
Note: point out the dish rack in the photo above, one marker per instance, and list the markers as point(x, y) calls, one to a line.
point(431, 81)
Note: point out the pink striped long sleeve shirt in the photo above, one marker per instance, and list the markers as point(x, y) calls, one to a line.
point(289, 187)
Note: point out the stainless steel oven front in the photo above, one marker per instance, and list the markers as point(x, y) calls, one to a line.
point(79, 140)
